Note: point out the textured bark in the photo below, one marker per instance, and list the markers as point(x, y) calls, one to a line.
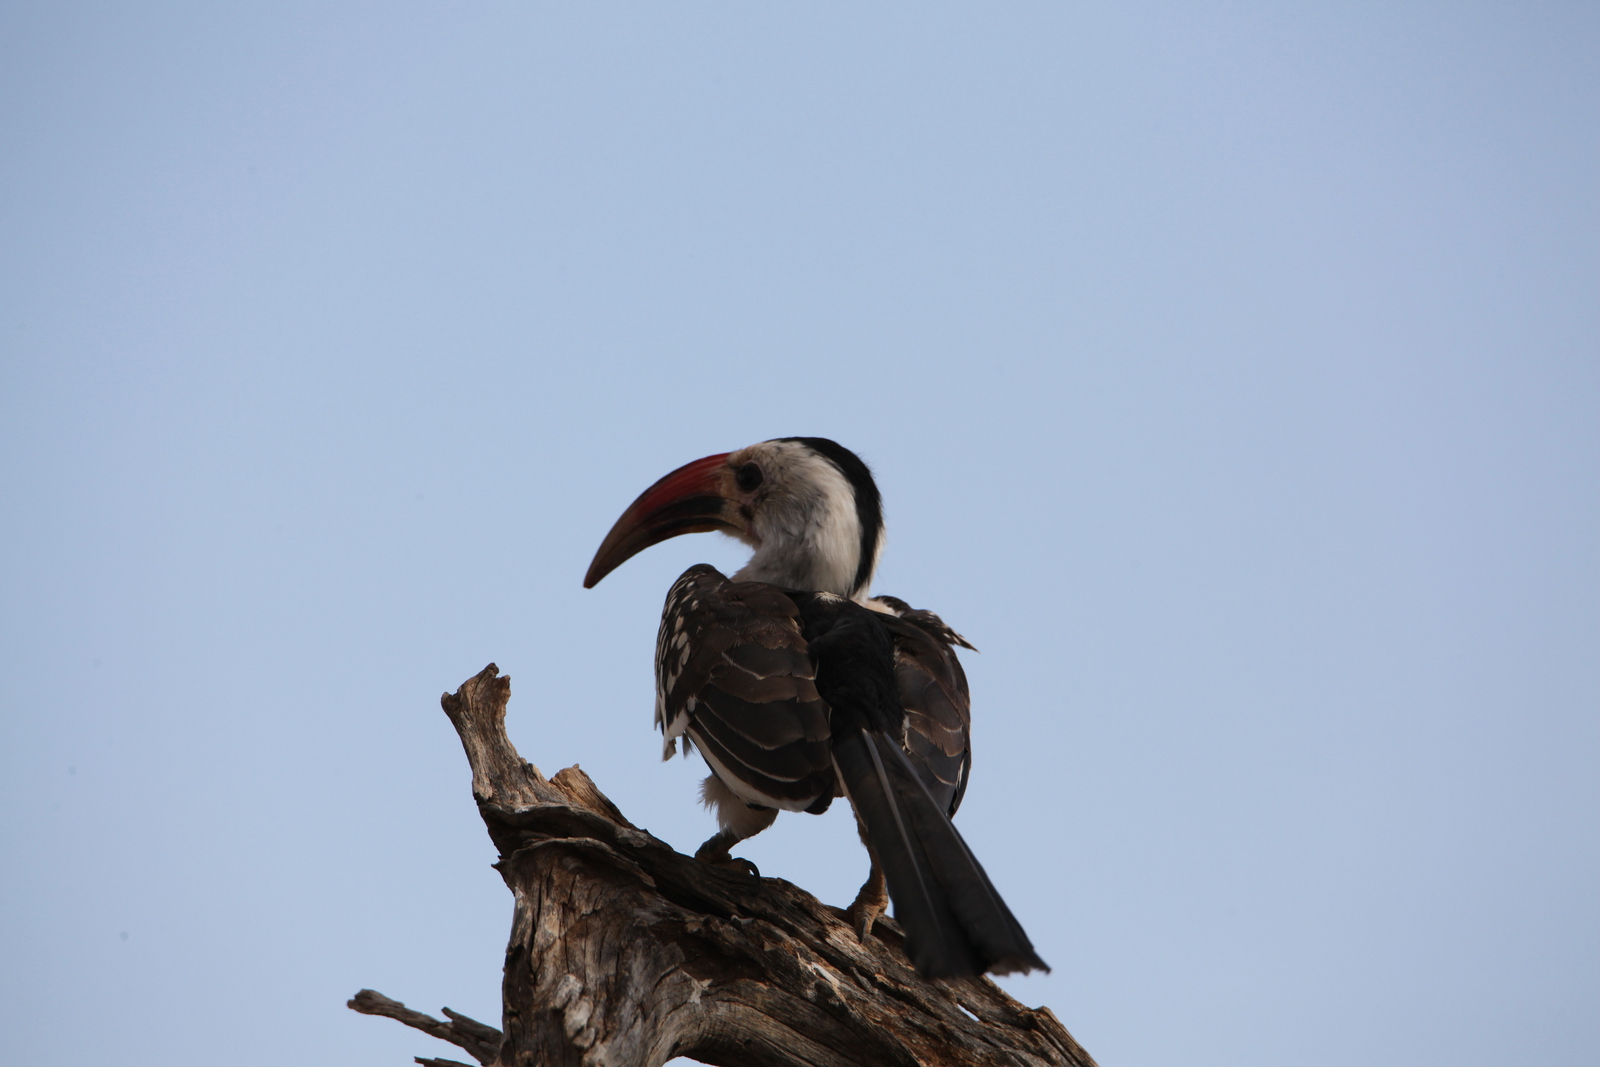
point(625, 953)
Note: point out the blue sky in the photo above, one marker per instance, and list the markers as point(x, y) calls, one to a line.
point(1231, 373)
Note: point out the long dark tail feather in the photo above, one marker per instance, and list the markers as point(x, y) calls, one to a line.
point(955, 922)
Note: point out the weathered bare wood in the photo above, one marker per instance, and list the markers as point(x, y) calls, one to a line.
point(478, 712)
point(485, 1033)
point(480, 1039)
point(625, 953)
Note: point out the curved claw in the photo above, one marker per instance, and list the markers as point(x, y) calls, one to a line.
point(869, 904)
point(737, 863)
point(715, 852)
point(862, 918)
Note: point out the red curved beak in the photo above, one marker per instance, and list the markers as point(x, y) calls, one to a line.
point(689, 500)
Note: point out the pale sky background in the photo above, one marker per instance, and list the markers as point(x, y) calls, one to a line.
point(1231, 372)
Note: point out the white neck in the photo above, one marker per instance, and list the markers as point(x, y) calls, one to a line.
point(807, 534)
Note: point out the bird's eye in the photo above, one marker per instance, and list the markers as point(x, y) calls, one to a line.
point(749, 477)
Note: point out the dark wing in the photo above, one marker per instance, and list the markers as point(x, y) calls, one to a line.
point(733, 674)
point(933, 688)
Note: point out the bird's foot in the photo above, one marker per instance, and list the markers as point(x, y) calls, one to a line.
point(862, 917)
point(740, 864)
point(715, 852)
point(869, 904)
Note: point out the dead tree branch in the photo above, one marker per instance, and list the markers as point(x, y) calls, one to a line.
point(480, 1039)
point(625, 953)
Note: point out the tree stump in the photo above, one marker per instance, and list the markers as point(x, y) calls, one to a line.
point(626, 953)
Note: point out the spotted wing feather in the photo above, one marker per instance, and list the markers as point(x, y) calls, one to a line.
point(733, 676)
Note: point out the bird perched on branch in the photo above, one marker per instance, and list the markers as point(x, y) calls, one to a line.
point(797, 687)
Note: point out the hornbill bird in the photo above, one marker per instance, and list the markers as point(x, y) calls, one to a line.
point(797, 687)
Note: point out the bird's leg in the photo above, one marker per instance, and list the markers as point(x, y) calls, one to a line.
point(869, 903)
point(738, 821)
point(874, 896)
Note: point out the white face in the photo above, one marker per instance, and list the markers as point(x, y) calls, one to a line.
point(800, 516)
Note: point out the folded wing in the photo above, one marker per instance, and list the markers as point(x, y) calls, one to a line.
point(733, 676)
